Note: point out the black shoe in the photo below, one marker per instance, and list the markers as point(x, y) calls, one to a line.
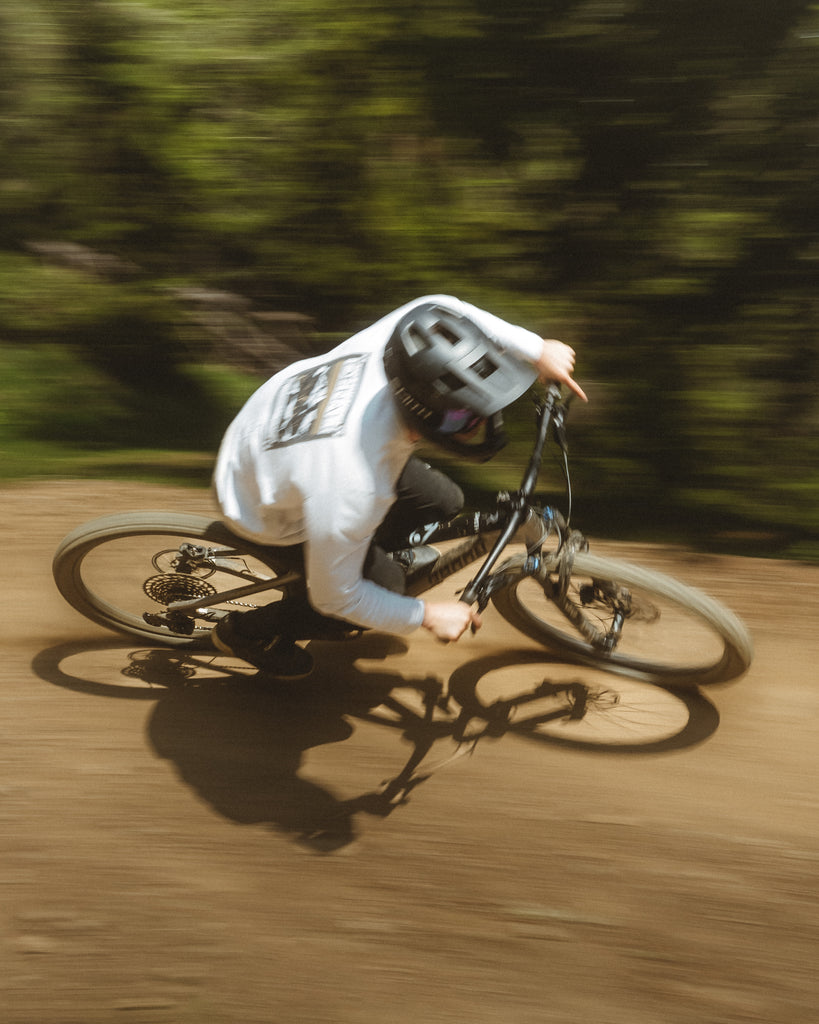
point(414, 560)
point(278, 656)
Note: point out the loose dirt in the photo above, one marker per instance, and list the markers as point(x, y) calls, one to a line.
point(181, 843)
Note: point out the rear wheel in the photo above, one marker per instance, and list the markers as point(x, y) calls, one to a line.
point(626, 619)
point(123, 571)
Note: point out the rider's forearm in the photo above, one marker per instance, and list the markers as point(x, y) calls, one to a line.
point(371, 607)
point(336, 587)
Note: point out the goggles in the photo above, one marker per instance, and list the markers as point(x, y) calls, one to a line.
point(458, 421)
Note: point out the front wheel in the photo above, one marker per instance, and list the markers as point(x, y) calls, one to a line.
point(628, 620)
point(127, 571)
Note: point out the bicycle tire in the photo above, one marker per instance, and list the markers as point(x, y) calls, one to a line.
point(701, 641)
point(101, 569)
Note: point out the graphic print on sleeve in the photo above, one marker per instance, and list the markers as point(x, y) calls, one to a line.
point(315, 402)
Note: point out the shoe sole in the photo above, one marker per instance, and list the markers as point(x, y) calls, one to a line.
point(221, 646)
point(224, 648)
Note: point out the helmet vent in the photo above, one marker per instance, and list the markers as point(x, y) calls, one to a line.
point(447, 334)
point(484, 367)
point(451, 381)
point(417, 337)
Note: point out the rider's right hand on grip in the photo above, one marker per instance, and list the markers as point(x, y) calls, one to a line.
point(449, 620)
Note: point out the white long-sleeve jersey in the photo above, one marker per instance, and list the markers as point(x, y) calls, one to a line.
point(314, 456)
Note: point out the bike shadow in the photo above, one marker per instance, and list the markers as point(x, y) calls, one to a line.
point(240, 740)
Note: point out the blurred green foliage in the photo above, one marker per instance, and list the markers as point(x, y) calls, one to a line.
point(637, 177)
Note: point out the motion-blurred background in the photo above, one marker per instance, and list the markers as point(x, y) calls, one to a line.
point(193, 193)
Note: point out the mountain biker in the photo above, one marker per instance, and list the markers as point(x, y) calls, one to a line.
point(320, 461)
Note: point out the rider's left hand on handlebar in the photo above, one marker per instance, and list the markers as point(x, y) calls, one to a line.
point(556, 363)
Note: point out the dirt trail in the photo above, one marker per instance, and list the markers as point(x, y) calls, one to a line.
point(221, 853)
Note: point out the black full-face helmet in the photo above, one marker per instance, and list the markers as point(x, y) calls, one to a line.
point(449, 377)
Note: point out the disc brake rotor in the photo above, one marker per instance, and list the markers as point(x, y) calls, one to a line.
point(173, 586)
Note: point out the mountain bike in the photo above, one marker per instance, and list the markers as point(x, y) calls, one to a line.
point(167, 578)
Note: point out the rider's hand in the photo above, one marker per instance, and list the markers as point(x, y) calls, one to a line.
point(556, 363)
point(449, 620)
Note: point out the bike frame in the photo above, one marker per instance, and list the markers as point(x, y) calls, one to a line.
point(487, 533)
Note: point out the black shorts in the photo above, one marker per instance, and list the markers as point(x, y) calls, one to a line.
point(423, 495)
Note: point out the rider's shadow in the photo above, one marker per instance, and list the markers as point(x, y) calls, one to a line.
point(239, 741)
point(241, 752)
